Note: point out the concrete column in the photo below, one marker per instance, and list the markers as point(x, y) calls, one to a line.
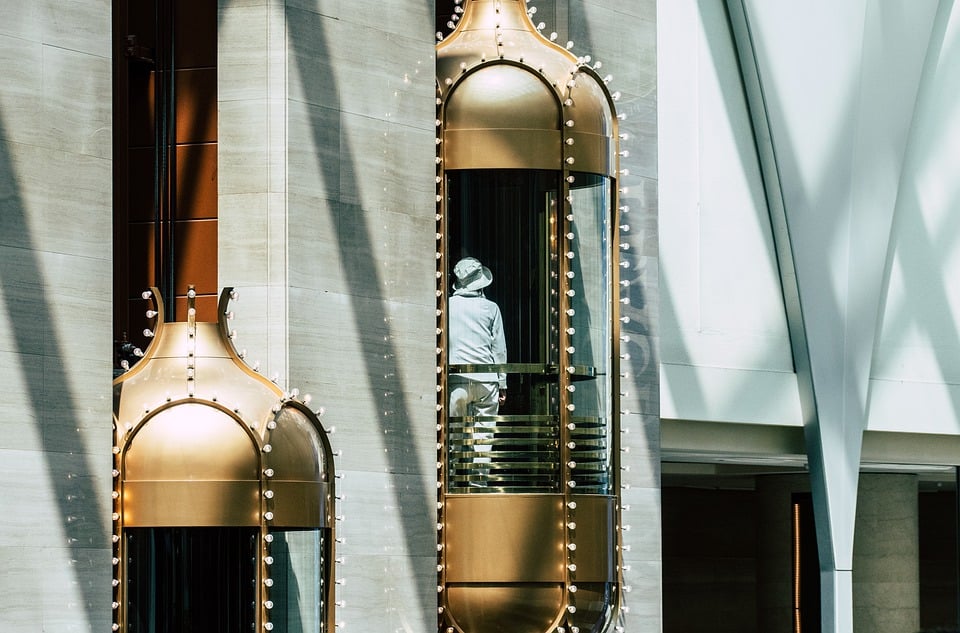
point(886, 586)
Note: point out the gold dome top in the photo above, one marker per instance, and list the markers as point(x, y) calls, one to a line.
point(201, 437)
point(511, 98)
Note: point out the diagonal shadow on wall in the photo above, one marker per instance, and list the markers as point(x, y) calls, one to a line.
point(360, 270)
point(29, 313)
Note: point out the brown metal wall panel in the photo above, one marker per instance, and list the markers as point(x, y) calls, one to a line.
point(196, 256)
point(196, 105)
point(194, 22)
point(140, 114)
point(206, 306)
point(197, 182)
point(140, 196)
point(141, 22)
point(140, 268)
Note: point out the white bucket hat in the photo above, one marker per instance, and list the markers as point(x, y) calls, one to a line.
point(471, 274)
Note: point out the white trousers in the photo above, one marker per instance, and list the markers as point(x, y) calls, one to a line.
point(469, 397)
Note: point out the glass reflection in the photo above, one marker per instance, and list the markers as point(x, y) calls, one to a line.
point(589, 238)
point(297, 595)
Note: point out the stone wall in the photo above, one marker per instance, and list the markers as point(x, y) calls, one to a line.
point(327, 203)
point(55, 315)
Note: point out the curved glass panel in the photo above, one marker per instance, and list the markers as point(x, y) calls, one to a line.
point(506, 221)
point(299, 582)
point(589, 290)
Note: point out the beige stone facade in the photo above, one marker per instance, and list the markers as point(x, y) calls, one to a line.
point(326, 229)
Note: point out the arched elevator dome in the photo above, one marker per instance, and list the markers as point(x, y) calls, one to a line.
point(223, 488)
point(528, 518)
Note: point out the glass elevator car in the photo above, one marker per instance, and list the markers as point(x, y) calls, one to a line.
point(528, 512)
point(223, 491)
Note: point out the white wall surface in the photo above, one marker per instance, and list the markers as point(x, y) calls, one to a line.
point(725, 349)
point(916, 370)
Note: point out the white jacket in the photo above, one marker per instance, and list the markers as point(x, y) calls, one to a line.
point(476, 334)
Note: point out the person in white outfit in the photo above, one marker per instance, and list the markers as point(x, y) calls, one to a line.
point(476, 338)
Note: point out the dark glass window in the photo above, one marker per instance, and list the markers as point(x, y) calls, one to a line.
point(507, 219)
point(191, 580)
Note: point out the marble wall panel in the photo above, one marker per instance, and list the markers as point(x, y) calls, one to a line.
point(55, 589)
point(313, 155)
point(388, 166)
point(78, 25)
point(76, 102)
point(388, 593)
point(58, 202)
point(392, 79)
point(55, 249)
point(388, 548)
point(251, 76)
point(380, 334)
point(359, 360)
point(413, 18)
point(23, 20)
point(55, 98)
point(371, 254)
point(21, 584)
point(76, 596)
point(49, 511)
point(316, 257)
point(243, 56)
point(76, 394)
point(886, 585)
point(372, 430)
point(629, 55)
point(21, 85)
point(244, 237)
point(260, 320)
point(18, 419)
point(387, 515)
point(643, 517)
point(22, 301)
point(243, 151)
point(642, 603)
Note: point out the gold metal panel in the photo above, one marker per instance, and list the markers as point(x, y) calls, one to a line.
point(190, 441)
point(190, 503)
point(477, 39)
point(504, 538)
point(296, 447)
point(595, 555)
point(299, 504)
point(502, 149)
point(590, 104)
point(593, 154)
point(506, 608)
point(175, 343)
point(502, 96)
